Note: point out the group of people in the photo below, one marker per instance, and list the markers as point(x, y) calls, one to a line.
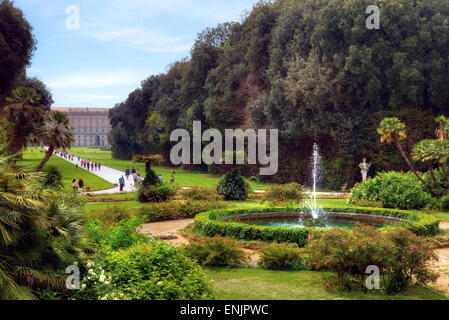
point(135, 173)
point(88, 165)
point(78, 187)
point(65, 155)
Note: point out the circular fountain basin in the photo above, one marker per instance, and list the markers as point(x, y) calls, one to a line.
point(297, 220)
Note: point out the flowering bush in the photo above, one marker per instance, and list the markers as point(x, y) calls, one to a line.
point(401, 256)
point(97, 285)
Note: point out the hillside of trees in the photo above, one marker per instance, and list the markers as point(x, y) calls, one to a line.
point(310, 69)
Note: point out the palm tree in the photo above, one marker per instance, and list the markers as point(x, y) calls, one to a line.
point(392, 130)
point(425, 151)
point(24, 111)
point(40, 232)
point(148, 160)
point(55, 133)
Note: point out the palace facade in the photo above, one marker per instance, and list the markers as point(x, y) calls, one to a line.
point(91, 126)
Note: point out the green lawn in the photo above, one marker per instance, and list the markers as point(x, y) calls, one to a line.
point(68, 171)
point(259, 284)
point(183, 177)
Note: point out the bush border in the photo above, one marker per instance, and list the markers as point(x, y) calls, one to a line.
point(211, 224)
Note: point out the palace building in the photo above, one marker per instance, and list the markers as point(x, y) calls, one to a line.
point(91, 126)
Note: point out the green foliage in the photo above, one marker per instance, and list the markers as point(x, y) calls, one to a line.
point(437, 187)
point(16, 48)
point(282, 256)
point(402, 258)
point(200, 193)
point(444, 202)
point(216, 252)
point(393, 190)
point(52, 178)
point(40, 232)
point(112, 214)
point(233, 187)
point(156, 271)
point(121, 236)
point(278, 195)
point(156, 193)
point(335, 174)
point(151, 179)
point(174, 210)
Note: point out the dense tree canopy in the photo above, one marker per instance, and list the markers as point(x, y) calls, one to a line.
point(312, 70)
point(16, 47)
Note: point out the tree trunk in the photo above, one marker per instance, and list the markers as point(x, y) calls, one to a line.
point(147, 166)
point(48, 154)
point(430, 167)
point(401, 151)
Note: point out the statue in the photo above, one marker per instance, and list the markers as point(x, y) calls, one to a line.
point(364, 167)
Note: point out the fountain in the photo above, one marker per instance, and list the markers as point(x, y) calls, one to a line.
point(318, 215)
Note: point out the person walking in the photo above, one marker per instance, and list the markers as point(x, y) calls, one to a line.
point(74, 186)
point(95, 166)
point(172, 179)
point(99, 167)
point(160, 178)
point(127, 173)
point(138, 172)
point(133, 171)
point(81, 185)
point(92, 166)
point(77, 165)
point(173, 172)
point(121, 182)
point(135, 177)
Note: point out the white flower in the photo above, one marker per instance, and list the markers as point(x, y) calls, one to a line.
point(83, 286)
point(107, 283)
point(91, 272)
point(160, 283)
point(102, 278)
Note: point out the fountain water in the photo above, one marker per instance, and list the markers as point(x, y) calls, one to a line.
point(316, 213)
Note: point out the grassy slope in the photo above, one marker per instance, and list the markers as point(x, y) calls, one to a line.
point(259, 284)
point(68, 171)
point(183, 177)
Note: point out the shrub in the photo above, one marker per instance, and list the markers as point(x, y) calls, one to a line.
point(156, 193)
point(151, 179)
point(52, 177)
point(281, 257)
point(122, 236)
point(200, 193)
point(401, 257)
point(216, 252)
point(277, 195)
point(156, 271)
point(112, 214)
point(233, 187)
point(174, 210)
point(444, 203)
point(393, 190)
point(439, 188)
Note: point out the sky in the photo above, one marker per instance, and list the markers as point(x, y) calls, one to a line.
point(118, 43)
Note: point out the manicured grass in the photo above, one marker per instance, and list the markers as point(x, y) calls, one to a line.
point(183, 177)
point(68, 171)
point(259, 284)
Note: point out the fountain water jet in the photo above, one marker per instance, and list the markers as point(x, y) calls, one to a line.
point(316, 213)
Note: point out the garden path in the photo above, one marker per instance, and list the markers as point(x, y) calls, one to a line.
point(110, 175)
point(168, 227)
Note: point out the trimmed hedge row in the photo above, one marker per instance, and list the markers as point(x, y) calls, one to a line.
point(212, 223)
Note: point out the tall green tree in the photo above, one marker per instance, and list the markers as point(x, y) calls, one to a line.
point(16, 47)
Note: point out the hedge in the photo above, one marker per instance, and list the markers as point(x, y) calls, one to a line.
point(212, 223)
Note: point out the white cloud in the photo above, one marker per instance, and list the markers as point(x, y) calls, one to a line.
point(138, 38)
